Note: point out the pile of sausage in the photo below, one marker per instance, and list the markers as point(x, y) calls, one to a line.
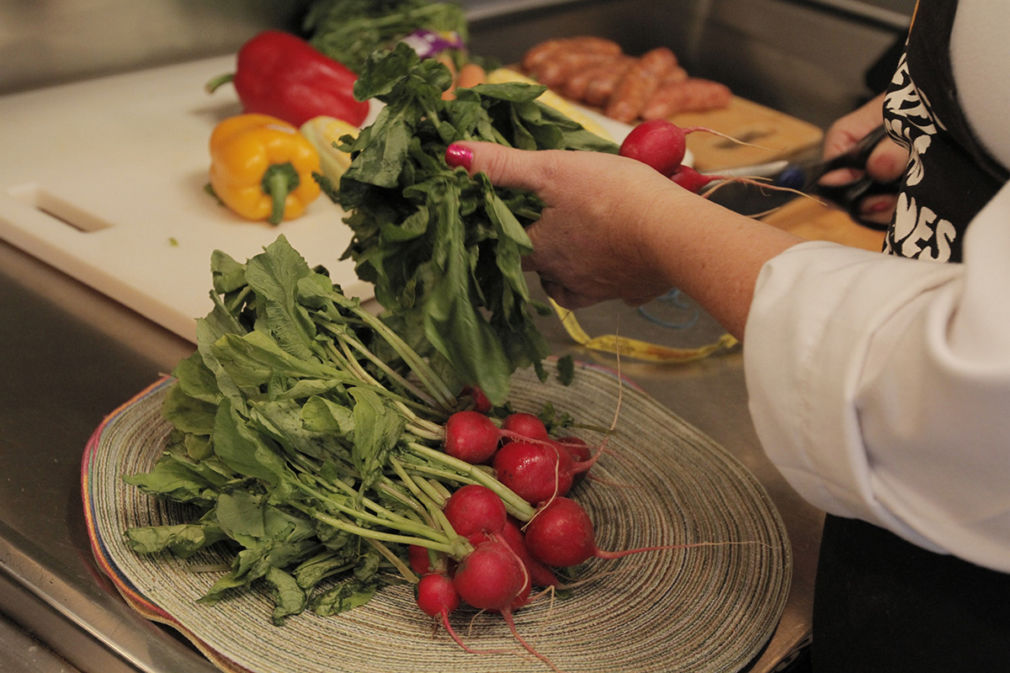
point(595, 71)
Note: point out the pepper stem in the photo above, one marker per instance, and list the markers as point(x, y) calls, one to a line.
point(278, 181)
point(218, 81)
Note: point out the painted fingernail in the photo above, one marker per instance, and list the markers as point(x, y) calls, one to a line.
point(879, 206)
point(457, 155)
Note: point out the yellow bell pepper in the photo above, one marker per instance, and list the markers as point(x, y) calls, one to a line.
point(261, 167)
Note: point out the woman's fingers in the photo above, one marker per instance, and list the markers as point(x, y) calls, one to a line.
point(592, 241)
point(504, 166)
point(887, 161)
point(564, 297)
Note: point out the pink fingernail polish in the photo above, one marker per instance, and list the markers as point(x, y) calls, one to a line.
point(880, 206)
point(457, 155)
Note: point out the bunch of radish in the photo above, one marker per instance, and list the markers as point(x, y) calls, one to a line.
point(510, 556)
point(501, 571)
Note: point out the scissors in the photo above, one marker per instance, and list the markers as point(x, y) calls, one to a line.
point(804, 177)
point(849, 195)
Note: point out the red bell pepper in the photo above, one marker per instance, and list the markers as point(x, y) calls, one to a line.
point(282, 75)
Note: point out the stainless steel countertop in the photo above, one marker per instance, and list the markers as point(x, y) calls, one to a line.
point(72, 355)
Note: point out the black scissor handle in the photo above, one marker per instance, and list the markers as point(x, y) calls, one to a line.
point(850, 195)
point(855, 157)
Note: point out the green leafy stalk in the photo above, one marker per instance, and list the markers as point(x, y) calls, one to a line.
point(350, 30)
point(444, 249)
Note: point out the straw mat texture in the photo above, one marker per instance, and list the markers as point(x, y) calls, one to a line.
point(704, 609)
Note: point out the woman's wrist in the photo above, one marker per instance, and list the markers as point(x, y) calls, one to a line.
point(714, 255)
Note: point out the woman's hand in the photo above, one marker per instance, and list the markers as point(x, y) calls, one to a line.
point(594, 239)
point(886, 163)
point(614, 228)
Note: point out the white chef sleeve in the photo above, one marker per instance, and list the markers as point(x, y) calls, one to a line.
point(880, 386)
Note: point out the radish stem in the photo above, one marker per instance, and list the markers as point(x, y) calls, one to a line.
point(520, 507)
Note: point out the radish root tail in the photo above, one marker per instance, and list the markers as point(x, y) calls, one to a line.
point(724, 136)
point(529, 648)
point(459, 641)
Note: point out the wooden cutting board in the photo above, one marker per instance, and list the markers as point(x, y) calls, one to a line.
point(812, 220)
point(768, 135)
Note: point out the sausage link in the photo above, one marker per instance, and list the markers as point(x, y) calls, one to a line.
point(558, 70)
point(577, 86)
point(538, 54)
point(639, 84)
point(691, 95)
point(674, 76)
point(594, 44)
point(659, 61)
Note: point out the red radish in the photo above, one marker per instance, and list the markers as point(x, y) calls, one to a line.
point(577, 447)
point(523, 596)
point(658, 143)
point(424, 561)
point(661, 144)
point(471, 436)
point(692, 180)
point(525, 425)
point(562, 534)
point(475, 510)
point(492, 577)
point(480, 401)
point(538, 471)
point(437, 597)
point(534, 471)
point(581, 455)
point(540, 574)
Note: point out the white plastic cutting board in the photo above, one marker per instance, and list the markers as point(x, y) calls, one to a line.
point(104, 180)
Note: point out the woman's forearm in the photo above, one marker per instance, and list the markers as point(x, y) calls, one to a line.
point(715, 257)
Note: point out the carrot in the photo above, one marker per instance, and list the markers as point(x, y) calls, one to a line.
point(445, 59)
point(470, 75)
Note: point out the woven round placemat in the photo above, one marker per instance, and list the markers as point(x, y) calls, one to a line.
point(710, 608)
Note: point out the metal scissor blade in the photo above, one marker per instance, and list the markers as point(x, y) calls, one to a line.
point(750, 199)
